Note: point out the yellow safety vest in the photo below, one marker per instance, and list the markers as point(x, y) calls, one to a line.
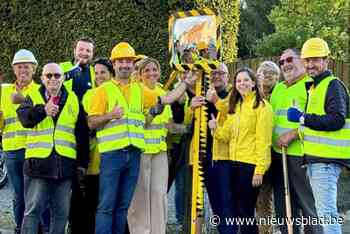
point(129, 130)
point(94, 163)
point(156, 132)
point(46, 135)
point(281, 99)
point(325, 144)
point(13, 134)
point(66, 66)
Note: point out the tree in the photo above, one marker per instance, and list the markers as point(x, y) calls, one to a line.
point(296, 21)
point(49, 27)
point(229, 11)
point(254, 24)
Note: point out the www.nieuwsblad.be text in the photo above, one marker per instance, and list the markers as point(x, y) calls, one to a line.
point(215, 220)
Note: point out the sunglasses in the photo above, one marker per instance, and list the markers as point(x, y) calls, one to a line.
point(288, 60)
point(53, 75)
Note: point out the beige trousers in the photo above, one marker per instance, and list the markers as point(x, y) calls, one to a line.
point(147, 213)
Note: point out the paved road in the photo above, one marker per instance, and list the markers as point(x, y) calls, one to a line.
point(6, 218)
point(7, 225)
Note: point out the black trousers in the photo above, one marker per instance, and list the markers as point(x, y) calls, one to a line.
point(231, 194)
point(301, 196)
point(91, 199)
point(178, 157)
point(78, 214)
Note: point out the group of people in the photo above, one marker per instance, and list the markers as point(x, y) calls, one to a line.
point(90, 145)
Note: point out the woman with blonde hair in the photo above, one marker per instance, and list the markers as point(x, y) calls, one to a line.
point(148, 210)
point(247, 130)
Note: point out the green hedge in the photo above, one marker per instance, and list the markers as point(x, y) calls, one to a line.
point(49, 27)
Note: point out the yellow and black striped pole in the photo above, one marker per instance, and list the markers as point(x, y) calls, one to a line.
point(202, 68)
point(199, 139)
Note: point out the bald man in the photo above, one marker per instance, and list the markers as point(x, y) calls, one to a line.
point(54, 118)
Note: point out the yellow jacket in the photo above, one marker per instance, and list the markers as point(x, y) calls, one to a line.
point(249, 133)
point(220, 148)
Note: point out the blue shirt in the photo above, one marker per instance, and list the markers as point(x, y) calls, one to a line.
point(83, 82)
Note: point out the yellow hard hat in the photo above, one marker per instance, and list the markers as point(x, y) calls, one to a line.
point(123, 50)
point(202, 45)
point(315, 47)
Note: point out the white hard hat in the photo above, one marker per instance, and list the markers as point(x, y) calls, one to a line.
point(24, 56)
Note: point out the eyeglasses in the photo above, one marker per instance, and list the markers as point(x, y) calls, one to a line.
point(288, 60)
point(218, 73)
point(53, 75)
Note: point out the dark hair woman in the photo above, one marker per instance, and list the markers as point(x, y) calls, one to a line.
point(247, 130)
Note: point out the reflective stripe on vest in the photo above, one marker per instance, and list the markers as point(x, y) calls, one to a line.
point(281, 113)
point(14, 134)
point(129, 130)
point(325, 144)
point(279, 130)
point(45, 135)
point(49, 146)
point(282, 98)
point(154, 136)
point(10, 121)
point(155, 133)
point(120, 136)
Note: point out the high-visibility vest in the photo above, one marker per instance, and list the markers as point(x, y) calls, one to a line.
point(66, 66)
point(156, 132)
point(13, 134)
point(325, 144)
point(128, 130)
point(46, 135)
point(282, 98)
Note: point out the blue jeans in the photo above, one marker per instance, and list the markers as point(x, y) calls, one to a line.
point(119, 171)
point(38, 192)
point(14, 162)
point(323, 179)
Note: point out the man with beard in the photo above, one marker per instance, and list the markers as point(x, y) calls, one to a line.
point(80, 76)
point(325, 127)
point(290, 92)
point(119, 110)
point(79, 72)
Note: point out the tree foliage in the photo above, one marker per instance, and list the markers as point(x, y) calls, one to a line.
point(254, 24)
point(49, 27)
point(297, 20)
point(229, 11)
